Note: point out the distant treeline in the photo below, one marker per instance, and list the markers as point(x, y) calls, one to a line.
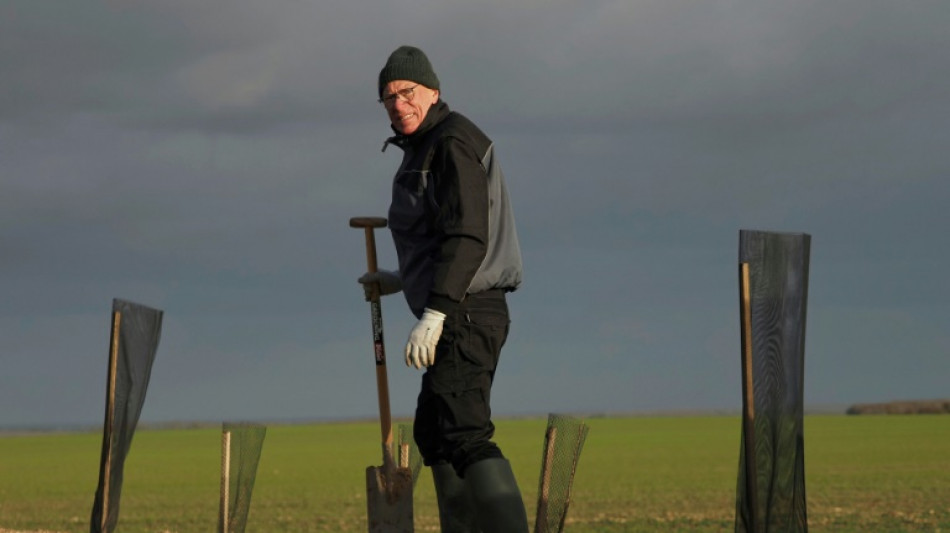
point(915, 407)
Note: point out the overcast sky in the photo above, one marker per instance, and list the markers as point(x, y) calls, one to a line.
point(203, 158)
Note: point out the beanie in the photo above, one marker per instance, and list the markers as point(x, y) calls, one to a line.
point(408, 63)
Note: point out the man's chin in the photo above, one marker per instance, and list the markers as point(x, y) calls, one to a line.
point(406, 129)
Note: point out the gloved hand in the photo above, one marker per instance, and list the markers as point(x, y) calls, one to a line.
point(388, 280)
point(420, 350)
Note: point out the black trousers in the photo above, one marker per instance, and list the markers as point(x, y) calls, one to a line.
point(453, 412)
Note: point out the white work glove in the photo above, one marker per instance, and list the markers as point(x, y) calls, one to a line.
point(420, 350)
point(388, 280)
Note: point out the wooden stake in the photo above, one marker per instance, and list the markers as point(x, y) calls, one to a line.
point(225, 481)
point(110, 413)
point(542, 515)
point(404, 455)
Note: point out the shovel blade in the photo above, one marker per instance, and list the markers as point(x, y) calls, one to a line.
point(389, 500)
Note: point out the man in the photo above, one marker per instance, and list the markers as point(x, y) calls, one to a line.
point(458, 254)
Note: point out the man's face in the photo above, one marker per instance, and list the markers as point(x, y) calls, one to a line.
point(407, 104)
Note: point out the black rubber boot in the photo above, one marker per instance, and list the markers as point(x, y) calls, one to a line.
point(456, 507)
point(498, 503)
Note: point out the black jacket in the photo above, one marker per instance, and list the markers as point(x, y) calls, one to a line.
point(450, 216)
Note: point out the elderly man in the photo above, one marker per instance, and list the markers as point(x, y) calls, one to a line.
point(458, 252)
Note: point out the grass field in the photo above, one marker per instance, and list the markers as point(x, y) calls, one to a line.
point(863, 473)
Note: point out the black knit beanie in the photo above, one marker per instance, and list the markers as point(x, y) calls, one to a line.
point(408, 63)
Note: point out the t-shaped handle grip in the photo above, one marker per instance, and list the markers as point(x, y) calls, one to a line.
point(369, 224)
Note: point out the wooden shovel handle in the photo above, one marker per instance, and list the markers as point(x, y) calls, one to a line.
point(379, 348)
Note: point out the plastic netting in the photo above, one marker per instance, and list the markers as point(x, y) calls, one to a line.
point(241, 445)
point(770, 493)
point(136, 330)
point(563, 442)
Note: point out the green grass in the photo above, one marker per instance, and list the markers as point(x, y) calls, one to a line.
point(864, 473)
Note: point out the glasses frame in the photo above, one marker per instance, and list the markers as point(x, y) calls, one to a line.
point(405, 95)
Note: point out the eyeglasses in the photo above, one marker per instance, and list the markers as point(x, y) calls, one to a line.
point(405, 95)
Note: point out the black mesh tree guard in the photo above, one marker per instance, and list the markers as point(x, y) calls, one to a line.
point(241, 445)
point(133, 343)
point(773, 290)
point(563, 443)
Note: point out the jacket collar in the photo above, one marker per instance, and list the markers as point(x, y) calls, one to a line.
point(436, 114)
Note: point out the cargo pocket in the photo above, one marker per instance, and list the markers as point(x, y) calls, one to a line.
point(483, 333)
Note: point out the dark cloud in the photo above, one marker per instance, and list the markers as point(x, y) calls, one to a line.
point(204, 158)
